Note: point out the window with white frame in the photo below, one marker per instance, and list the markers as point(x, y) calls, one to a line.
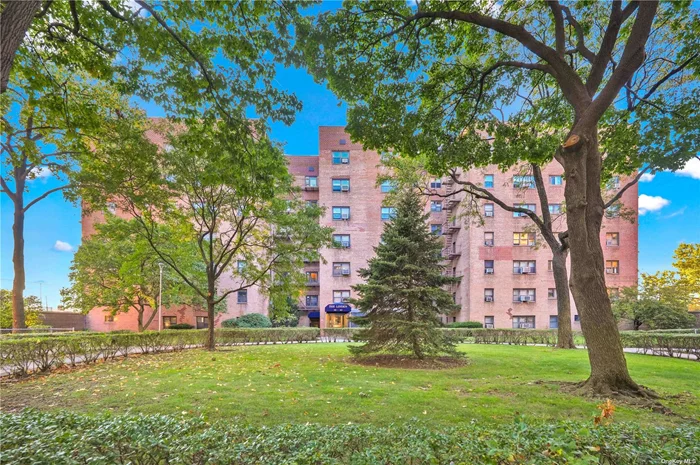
point(387, 186)
point(612, 266)
point(240, 265)
point(340, 297)
point(488, 295)
point(489, 239)
point(612, 239)
point(524, 239)
point(556, 180)
point(488, 267)
point(523, 322)
point(388, 213)
point(526, 206)
point(341, 240)
point(311, 182)
point(523, 295)
point(341, 185)
point(436, 206)
point(488, 181)
point(341, 269)
point(524, 181)
point(341, 213)
point(488, 322)
point(524, 267)
point(555, 208)
point(552, 293)
point(488, 210)
point(341, 158)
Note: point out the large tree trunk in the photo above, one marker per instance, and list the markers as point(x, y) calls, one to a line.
point(18, 284)
point(211, 344)
point(565, 338)
point(585, 207)
point(15, 19)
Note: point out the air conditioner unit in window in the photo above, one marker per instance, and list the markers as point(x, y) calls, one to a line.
point(488, 271)
point(610, 243)
point(524, 298)
point(345, 216)
point(344, 188)
point(488, 243)
point(488, 325)
point(525, 270)
point(344, 161)
point(346, 272)
point(611, 270)
point(488, 213)
point(488, 298)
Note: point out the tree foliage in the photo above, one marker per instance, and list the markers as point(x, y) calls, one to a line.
point(403, 296)
point(32, 309)
point(116, 268)
point(643, 310)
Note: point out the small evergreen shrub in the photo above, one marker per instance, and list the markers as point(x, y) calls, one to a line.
point(181, 326)
point(465, 324)
point(251, 320)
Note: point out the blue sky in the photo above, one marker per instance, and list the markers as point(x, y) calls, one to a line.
point(673, 201)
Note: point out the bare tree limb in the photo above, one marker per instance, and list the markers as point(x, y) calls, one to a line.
point(45, 194)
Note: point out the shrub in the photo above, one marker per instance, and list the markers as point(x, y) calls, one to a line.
point(169, 439)
point(465, 324)
point(181, 326)
point(289, 321)
point(251, 320)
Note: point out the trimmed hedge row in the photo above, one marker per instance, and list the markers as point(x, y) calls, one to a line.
point(70, 439)
point(21, 355)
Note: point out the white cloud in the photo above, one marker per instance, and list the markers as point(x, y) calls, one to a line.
point(61, 246)
point(691, 168)
point(651, 203)
point(647, 177)
point(42, 172)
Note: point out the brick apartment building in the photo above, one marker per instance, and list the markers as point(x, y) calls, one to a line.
point(506, 279)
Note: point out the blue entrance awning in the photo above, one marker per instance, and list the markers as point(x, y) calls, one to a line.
point(338, 308)
point(314, 315)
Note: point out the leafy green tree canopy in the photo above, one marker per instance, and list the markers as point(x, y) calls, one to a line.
point(32, 309)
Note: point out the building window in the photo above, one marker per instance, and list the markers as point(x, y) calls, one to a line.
point(312, 203)
point(240, 265)
point(612, 239)
point(341, 269)
point(488, 295)
point(488, 210)
point(311, 182)
point(340, 297)
point(242, 296)
point(550, 265)
point(341, 240)
point(524, 239)
point(312, 301)
point(436, 229)
point(577, 319)
point(612, 266)
point(551, 293)
point(524, 267)
point(109, 318)
point(169, 321)
point(488, 181)
point(454, 297)
point(553, 321)
point(341, 213)
point(341, 158)
point(526, 206)
point(436, 206)
point(387, 186)
point(488, 322)
point(341, 185)
point(312, 277)
point(112, 207)
point(202, 322)
point(614, 182)
point(388, 213)
point(311, 169)
point(488, 267)
point(523, 322)
point(488, 239)
point(555, 208)
point(555, 180)
point(436, 184)
point(613, 211)
point(523, 295)
point(524, 182)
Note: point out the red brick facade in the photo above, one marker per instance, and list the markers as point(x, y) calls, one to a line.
point(484, 295)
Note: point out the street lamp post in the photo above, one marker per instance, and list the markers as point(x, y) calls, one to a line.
point(160, 298)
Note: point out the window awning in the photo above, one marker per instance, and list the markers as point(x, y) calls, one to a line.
point(314, 315)
point(338, 308)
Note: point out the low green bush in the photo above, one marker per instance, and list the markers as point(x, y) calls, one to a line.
point(465, 324)
point(670, 345)
point(251, 320)
point(65, 438)
point(181, 326)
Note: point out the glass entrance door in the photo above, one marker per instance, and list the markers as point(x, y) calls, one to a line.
point(336, 320)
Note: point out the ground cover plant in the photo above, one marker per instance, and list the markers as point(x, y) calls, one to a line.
point(298, 383)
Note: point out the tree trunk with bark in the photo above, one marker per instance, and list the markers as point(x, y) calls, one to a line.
point(585, 208)
point(18, 284)
point(211, 343)
point(15, 19)
point(565, 338)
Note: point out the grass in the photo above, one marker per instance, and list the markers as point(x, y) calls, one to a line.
point(266, 385)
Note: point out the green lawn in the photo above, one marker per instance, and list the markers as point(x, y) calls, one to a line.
point(314, 383)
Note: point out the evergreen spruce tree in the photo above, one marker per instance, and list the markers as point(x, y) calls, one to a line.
point(403, 294)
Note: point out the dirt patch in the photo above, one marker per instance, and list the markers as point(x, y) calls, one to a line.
point(410, 363)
